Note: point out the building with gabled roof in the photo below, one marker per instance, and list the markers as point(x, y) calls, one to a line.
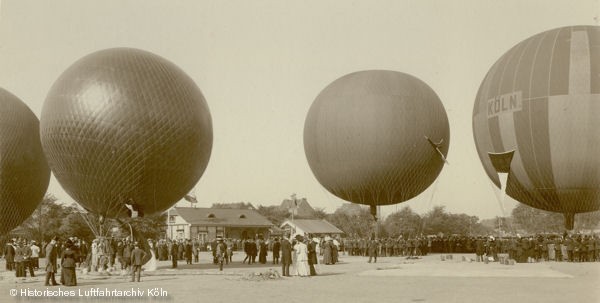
point(300, 207)
point(205, 224)
point(314, 228)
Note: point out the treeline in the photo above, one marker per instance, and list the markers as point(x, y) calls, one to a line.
point(52, 218)
point(355, 220)
point(532, 221)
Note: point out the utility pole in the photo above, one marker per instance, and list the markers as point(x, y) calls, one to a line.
point(294, 208)
point(40, 229)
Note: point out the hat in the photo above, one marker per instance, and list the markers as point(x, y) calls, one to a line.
point(316, 240)
point(219, 239)
point(55, 238)
point(298, 237)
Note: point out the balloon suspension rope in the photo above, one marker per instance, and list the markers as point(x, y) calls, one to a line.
point(94, 225)
point(374, 215)
point(137, 236)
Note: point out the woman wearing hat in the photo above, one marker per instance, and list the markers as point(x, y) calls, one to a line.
point(301, 267)
point(327, 253)
point(67, 265)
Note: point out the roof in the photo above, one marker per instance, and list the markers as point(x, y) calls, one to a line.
point(314, 226)
point(222, 217)
point(304, 209)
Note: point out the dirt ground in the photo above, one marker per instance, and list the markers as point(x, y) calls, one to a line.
point(391, 279)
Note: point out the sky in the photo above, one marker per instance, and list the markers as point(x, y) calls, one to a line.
point(261, 64)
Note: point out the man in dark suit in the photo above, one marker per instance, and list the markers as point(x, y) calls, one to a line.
point(276, 248)
point(286, 256)
point(127, 254)
point(372, 249)
point(137, 260)
point(312, 255)
point(174, 254)
point(188, 251)
point(9, 255)
point(51, 257)
point(181, 249)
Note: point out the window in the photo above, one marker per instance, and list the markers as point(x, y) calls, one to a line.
point(242, 216)
point(211, 215)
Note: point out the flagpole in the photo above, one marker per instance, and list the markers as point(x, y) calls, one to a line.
point(294, 207)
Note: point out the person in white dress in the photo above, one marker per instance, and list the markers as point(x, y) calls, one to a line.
point(151, 265)
point(300, 258)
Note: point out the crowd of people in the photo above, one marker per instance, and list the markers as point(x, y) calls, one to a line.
point(533, 248)
point(22, 256)
point(284, 251)
point(299, 255)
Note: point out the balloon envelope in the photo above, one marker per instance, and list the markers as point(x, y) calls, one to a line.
point(541, 99)
point(366, 137)
point(24, 173)
point(124, 126)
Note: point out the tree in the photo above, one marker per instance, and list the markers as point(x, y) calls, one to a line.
point(74, 225)
point(533, 220)
point(273, 213)
point(55, 219)
point(150, 227)
point(439, 221)
point(46, 220)
point(404, 222)
point(587, 221)
point(353, 219)
point(320, 213)
point(351, 209)
point(436, 221)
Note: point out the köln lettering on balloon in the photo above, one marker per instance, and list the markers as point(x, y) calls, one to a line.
point(555, 140)
point(507, 103)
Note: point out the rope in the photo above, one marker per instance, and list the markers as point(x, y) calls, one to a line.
point(430, 202)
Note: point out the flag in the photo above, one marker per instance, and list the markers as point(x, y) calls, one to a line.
point(294, 207)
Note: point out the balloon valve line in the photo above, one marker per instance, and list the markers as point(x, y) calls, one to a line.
point(436, 146)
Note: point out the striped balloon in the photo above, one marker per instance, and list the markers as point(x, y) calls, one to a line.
point(24, 173)
point(376, 137)
point(542, 100)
